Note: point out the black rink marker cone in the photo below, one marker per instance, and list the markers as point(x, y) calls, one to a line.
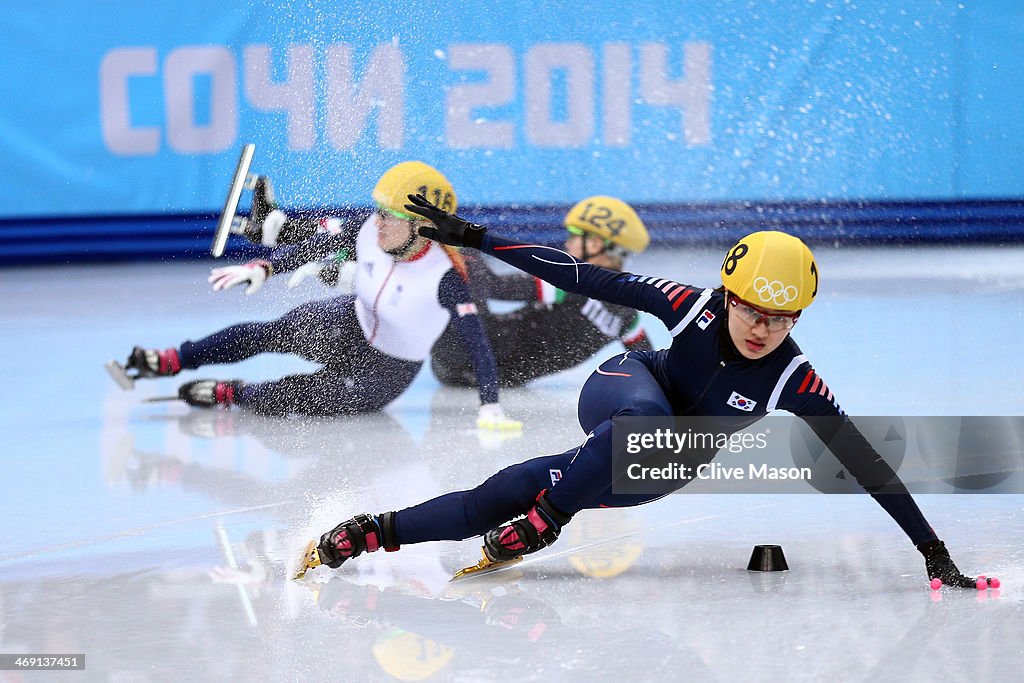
point(767, 558)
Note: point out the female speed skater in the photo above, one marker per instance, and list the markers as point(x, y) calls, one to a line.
point(731, 360)
point(555, 330)
point(371, 344)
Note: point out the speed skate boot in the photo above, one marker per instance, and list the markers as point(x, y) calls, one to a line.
point(143, 363)
point(351, 538)
point(538, 529)
point(507, 544)
point(263, 226)
point(210, 393)
point(270, 226)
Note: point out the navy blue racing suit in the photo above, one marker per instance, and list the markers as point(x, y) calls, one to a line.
point(366, 363)
point(700, 374)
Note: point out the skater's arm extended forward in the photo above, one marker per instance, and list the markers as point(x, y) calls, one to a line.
point(486, 284)
point(807, 396)
point(658, 296)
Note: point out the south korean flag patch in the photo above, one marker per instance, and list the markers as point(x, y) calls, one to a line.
point(741, 402)
point(705, 319)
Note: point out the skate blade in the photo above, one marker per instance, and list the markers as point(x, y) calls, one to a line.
point(118, 374)
point(485, 566)
point(227, 216)
point(310, 560)
point(162, 399)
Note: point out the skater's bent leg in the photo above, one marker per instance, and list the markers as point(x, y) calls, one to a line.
point(230, 345)
point(609, 499)
point(327, 331)
point(588, 474)
point(293, 394)
point(330, 391)
point(583, 474)
point(463, 514)
point(621, 386)
point(318, 331)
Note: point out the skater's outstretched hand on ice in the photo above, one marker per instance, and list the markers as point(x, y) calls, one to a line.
point(492, 418)
point(940, 566)
point(448, 228)
point(254, 272)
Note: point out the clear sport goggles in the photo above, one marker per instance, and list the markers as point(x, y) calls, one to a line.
point(753, 316)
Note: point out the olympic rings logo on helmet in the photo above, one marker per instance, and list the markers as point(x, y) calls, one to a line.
point(774, 292)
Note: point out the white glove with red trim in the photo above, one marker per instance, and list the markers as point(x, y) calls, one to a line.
point(254, 272)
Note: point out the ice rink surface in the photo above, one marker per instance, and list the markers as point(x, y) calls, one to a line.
point(155, 539)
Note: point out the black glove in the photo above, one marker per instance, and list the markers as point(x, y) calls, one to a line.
point(450, 229)
point(940, 566)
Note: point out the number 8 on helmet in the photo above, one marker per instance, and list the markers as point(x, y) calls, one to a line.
point(771, 269)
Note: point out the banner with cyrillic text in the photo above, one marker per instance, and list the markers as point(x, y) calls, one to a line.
point(131, 107)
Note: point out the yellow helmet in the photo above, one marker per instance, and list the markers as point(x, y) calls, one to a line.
point(413, 177)
point(611, 219)
point(771, 269)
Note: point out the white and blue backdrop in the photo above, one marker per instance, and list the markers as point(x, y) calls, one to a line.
point(121, 121)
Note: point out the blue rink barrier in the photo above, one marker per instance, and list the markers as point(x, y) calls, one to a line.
point(188, 236)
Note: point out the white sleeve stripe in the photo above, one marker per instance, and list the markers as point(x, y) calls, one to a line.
point(773, 400)
point(704, 297)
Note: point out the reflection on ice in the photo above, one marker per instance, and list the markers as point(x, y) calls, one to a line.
point(156, 540)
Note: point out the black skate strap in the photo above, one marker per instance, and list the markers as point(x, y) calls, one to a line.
point(387, 532)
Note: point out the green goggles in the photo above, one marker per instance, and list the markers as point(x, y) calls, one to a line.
point(609, 246)
point(384, 212)
point(580, 232)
